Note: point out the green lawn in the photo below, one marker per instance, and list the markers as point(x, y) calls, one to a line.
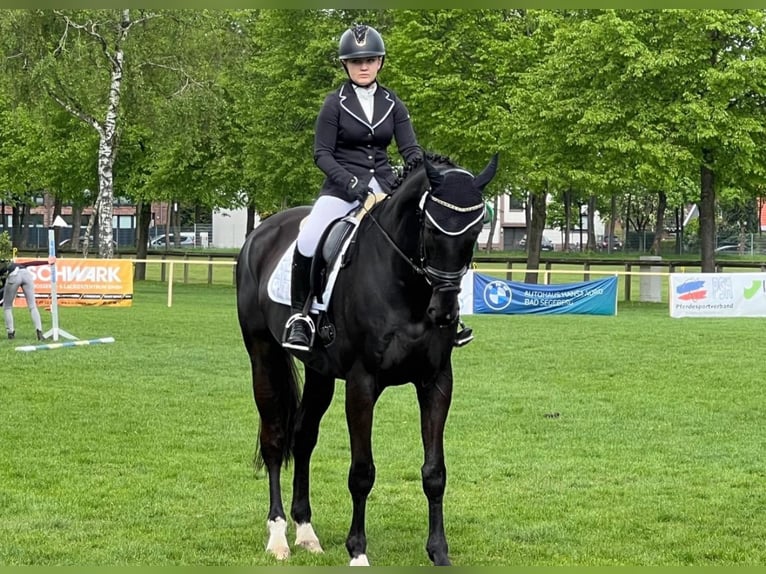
point(572, 440)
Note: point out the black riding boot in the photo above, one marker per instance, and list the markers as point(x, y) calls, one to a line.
point(299, 329)
point(464, 335)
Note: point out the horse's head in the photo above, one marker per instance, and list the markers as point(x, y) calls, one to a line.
point(453, 215)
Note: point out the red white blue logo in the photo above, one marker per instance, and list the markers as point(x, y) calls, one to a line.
point(692, 290)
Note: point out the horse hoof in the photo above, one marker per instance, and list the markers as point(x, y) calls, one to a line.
point(305, 537)
point(280, 553)
point(312, 546)
point(277, 540)
point(360, 560)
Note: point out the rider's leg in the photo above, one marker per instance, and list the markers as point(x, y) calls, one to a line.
point(300, 329)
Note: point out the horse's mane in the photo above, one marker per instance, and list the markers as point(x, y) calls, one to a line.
point(412, 165)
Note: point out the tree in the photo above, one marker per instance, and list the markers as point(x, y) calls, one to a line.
point(83, 60)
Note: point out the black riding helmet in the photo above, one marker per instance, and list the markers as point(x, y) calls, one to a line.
point(361, 42)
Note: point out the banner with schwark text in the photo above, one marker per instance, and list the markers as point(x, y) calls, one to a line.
point(83, 282)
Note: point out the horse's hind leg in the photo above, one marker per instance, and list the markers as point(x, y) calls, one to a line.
point(317, 395)
point(276, 396)
point(434, 401)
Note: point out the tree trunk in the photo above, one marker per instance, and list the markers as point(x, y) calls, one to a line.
point(144, 212)
point(20, 232)
point(537, 205)
point(659, 228)
point(492, 225)
point(707, 213)
point(567, 217)
point(613, 218)
point(250, 224)
point(76, 226)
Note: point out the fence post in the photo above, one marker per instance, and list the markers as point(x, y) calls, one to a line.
point(586, 269)
point(210, 271)
point(162, 268)
point(628, 280)
point(509, 272)
point(649, 287)
point(186, 268)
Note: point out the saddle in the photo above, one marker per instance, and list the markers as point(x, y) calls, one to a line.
point(332, 245)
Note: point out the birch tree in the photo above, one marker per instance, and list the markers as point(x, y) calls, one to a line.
point(84, 60)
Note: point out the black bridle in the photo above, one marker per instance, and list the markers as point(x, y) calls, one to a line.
point(438, 279)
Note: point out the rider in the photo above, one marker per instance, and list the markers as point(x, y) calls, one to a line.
point(354, 128)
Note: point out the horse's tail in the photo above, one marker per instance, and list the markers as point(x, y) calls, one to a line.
point(284, 391)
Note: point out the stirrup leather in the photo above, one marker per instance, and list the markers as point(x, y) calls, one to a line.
point(312, 332)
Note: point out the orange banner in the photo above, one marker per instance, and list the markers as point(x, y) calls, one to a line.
point(83, 282)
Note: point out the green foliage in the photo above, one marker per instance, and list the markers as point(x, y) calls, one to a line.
point(218, 106)
point(6, 246)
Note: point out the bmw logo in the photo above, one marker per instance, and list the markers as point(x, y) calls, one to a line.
point(497, 295)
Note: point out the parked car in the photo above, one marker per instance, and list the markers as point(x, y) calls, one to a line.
point(161, 241)
point(734, 249)
point(603, 243)
point(67, 243)
point(545, 245)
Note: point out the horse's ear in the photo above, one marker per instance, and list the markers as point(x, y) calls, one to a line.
point(481, 180)
point(434, 176)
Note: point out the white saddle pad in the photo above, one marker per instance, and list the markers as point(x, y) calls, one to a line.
point(279, 282)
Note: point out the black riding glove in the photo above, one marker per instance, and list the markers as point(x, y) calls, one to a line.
point(358, 190)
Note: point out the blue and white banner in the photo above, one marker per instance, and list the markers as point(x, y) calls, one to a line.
point(498, 296)
point(718, 295)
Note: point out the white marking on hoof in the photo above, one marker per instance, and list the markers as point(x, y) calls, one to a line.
point(360, 560)
point(305, 537)
point(278, 539)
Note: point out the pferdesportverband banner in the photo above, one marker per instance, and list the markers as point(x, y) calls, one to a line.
point(498, 296)
point(84, 282)
point(717, 295)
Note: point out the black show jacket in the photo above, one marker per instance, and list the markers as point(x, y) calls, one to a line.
point(346, 144)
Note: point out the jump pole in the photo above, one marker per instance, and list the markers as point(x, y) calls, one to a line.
point(77, 343)
point(55, 331)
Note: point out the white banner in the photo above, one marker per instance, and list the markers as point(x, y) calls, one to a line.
point(465, 298)
point(718, 295)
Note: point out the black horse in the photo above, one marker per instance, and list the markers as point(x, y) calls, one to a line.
point(392, 320)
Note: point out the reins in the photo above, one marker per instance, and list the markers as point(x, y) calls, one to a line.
point(392, 243)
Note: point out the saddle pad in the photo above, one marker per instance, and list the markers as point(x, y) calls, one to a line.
point(279, 282)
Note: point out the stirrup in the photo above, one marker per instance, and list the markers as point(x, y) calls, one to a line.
point(309, 326)
point(464, 336)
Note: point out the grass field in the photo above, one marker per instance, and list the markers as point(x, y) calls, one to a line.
point(572, 440)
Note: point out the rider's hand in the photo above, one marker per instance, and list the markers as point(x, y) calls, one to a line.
point(358, 190)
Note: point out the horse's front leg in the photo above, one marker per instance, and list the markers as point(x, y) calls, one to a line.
point(434, 400)
point(318, 391)
point(360, 403)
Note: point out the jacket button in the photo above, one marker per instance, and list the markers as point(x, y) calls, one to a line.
point(369, 157)
point(372, 171)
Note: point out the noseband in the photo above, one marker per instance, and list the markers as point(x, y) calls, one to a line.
point(439, 279)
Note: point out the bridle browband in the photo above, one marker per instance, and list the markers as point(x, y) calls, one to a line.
point(438, 279)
